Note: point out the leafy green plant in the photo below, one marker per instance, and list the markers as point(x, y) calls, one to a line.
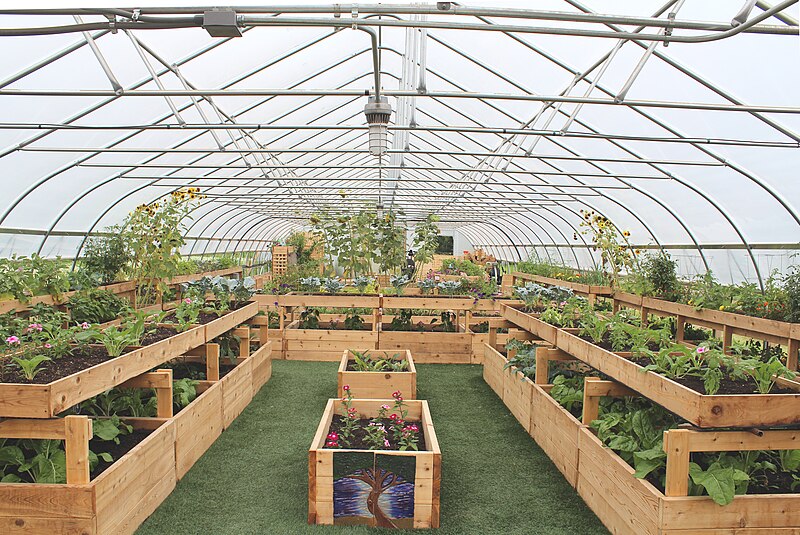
point(353, 321)
point(106, 254)
point(29, 367)
point(116, 338)
point(399, 283)
point(363, 361)
point(184, 391)
point(568, 392)
point(426, 240)
point(96, 306)
point(309, 318)
point(449, 287)
point(717, 480)
point(763, 374)
point(615, 255)
point(361, 283)
point(426, 285)
point(333, 285)
point(402, 320)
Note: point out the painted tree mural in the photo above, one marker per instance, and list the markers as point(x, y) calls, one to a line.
point(374, 489)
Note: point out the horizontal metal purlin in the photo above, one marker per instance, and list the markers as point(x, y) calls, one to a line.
point(668, 246)
point(416, 128)
point(248, 93)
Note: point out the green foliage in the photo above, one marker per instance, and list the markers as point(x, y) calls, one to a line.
point(791, 285)
point(154, 233)
point(353, 321)
point(426, 240)
point(717, 480)
point(184, 391)
point(402, 320)
point(399, 282)
point(365, 362)
point(615, 255)
point(24, 277)
point(568, 392)
point(117, 337)
point(455, 266)
point(29, 367)
point(309, 319)
point(106, 254)
point(96, 306)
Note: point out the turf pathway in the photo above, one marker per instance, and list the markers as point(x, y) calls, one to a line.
point(495, 479)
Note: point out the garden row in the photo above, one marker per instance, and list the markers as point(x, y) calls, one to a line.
point(624, 502)
point(727, 324)
point(301, 332)
point(140, 457)
point(375, 459)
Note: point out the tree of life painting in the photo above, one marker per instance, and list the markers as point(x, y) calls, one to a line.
point(373, 489)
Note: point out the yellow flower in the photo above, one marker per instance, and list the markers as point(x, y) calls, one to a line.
point(690, 302)
point(722, 307)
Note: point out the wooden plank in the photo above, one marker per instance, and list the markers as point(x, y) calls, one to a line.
point(493, 363)
point(229, 321)
point(622, 502)
point(237, 392)
point(47, 525)
point(197, 426)
point(24, 501)
point(556, 432)
point(77, 433)
point(52, 429)
point(770, 513)
point(138, 474)
point(262, 366)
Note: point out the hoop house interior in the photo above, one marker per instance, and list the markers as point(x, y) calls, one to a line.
point(667, 118)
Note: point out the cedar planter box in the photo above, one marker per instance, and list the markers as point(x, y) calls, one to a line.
point(626, 504)
point(743, 410)
point(48, 400)
point(328, 471)
point(117, 501)
point(378, 385)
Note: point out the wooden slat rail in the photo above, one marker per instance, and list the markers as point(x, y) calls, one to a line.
point(544, 355)
point(161, 381)
point(680, 443)
point(75, 431)
point(589, 290)
point(595, 388)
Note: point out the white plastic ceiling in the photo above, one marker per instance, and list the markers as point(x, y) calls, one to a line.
point(672, 119)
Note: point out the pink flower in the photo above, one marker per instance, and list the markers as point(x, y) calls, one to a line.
point(47, 346)
point(396, 394)
point(34, 327)
point(12, 340)
point(386, 442)
point(385, 407)
point(702, 349)
point(346, 388)
point(393, 417)
point(85, 325)
point(333, 437)
point(187, 301)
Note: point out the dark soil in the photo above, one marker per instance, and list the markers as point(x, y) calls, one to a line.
point(357, 441)
point(202, 318)
point(57, 368)
point(160, 333)
point(727, 385)
point(606, 344)
point(126, 444)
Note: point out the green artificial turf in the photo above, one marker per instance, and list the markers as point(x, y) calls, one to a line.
point(495, 479)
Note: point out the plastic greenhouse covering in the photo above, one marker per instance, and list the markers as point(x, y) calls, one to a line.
point(678, 120)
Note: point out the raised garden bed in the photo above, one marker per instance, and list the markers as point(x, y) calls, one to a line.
point(144, 476)
point(48, 400)
point(738, 410)
point(380, 384)
point(413, 477)
point(324, 344)
point(429, 347)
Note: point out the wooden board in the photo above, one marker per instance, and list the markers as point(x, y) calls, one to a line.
point(326, 345)
point(197, 426)
point(430, 348)
point(556, 432)
point(237, 391)
point(493, 363)
point(378, 385)
point(262, 366)
point(229, 321)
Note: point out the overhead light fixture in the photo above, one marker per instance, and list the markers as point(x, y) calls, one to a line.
point(221, 23)
point(378, 112)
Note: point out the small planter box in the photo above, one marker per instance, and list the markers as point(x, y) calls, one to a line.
point(378, 385)
point(626, 504)
point(117, 501)
point(417, 482)
point(48, 400)
point(743, 410)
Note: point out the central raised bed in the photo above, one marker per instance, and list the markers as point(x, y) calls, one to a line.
point(378, 385)
point(412, 499)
